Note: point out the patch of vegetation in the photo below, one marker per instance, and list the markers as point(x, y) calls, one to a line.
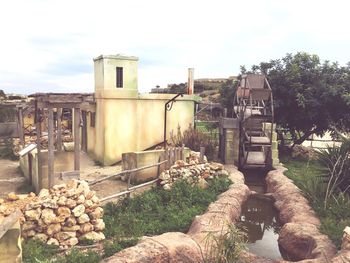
point(35, 251)
point(334, 210)
point(6, 152)
point(194, 139)
point(225, 246)
point(150, 213)
point(158, 211)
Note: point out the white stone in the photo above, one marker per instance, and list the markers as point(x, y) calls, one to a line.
point(84, 218)
point(44, 193)
point(94, 236)
point(78, 210)
point(48, 216)
point(53, 241)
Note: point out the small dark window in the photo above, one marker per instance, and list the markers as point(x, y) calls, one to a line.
point(119, 77)
point(92, 119)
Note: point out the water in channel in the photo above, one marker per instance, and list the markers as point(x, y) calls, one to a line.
point(259, 218)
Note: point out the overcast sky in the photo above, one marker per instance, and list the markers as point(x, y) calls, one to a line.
point(49, 45)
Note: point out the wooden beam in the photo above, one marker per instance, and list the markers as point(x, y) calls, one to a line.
point(38, 142)
point(51, 157)
point(84, 131)
point(76, 131)
point(59, 129)
point(20, 126)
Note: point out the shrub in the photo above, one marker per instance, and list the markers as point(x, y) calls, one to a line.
point(195, 139)
point(36, 251)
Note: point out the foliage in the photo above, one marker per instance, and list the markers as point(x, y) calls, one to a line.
point(35, 251)
point(150, 213)
point(225, 246)
point(227, 95)
point(6, 152)
point(110, 248)
point(76, 256)
point(195, 139)
point(178, 88)
point(158, 210)
point(309, 96)
point(7, 114)
point(333, 210)
point(337, 160)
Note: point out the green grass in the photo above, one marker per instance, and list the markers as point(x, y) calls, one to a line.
point(309, 177)
point(158, 211)
point(153, 212)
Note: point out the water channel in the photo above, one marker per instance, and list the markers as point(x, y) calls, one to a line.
point(259, 218)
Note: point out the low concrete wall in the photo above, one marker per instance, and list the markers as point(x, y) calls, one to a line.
point(10, 245)
point(63, 161)
point(144, 158)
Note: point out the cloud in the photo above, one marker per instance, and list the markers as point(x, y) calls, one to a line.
point(49, 45)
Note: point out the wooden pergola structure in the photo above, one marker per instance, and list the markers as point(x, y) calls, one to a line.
point(59, 101)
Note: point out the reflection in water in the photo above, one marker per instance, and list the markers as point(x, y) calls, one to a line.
point(259, 219)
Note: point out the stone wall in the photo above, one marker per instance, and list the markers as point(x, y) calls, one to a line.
point(61, 216)
point(300, 235)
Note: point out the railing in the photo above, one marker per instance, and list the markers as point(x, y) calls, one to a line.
point(170, 156)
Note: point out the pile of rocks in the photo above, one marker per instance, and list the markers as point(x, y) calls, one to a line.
point(193, 172)
point(63, 216)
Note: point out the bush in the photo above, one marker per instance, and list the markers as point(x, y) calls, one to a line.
point(195, 139)
point(36, 251)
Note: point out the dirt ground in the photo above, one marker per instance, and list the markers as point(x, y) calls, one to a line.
point(11, 179)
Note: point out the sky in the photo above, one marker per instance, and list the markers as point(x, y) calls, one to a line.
point(49, 45)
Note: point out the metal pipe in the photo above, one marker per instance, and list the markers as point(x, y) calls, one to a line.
point(167, 107)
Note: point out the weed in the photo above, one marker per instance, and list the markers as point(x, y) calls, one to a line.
point(225, 246)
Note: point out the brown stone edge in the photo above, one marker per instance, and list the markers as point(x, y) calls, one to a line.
point(300, 235)
point(191, 247)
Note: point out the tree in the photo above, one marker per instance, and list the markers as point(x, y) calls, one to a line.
point(227, 94)
point(310, 97)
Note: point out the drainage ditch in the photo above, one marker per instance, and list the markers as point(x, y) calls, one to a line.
point(259, 218)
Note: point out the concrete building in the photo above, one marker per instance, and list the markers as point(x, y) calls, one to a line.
point(122, 120)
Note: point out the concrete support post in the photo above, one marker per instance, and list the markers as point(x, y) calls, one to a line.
point(190, 82)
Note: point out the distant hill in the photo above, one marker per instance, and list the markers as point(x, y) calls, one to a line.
point(207, 88)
